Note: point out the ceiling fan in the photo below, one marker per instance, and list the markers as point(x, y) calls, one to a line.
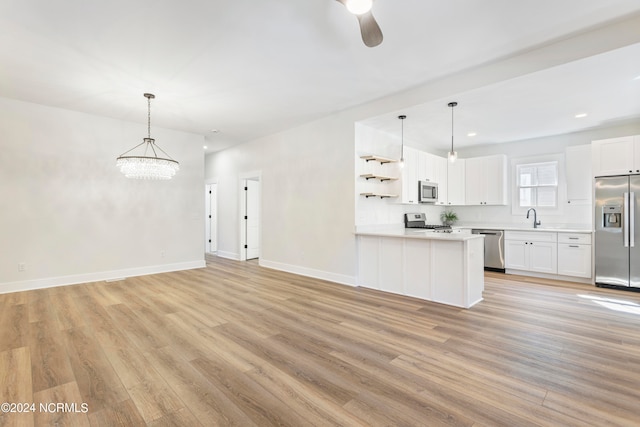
point(371, 33)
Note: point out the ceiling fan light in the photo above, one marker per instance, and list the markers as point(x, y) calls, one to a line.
point(359, 7)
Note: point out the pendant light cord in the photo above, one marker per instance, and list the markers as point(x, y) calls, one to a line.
point(149, 117)
point(452, 105)
point(402, 117)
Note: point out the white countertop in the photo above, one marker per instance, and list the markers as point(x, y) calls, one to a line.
point(569, 228)
point(416, 233)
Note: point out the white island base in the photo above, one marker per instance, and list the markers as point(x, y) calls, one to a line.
point(439, 267)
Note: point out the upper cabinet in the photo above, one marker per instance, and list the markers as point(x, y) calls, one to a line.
point(486, 180)
point(578, 173)
point(422, 166)
point(434, 169)
point(456, 182)
point(410, 175)
point(616, 156)
point(475, 181)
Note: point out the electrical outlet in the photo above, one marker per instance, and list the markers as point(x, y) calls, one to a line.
point(22, 266)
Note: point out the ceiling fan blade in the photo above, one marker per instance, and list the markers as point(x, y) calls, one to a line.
point(370, 30)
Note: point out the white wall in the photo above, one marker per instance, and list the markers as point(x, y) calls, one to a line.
point(71, 216)
point(307, 210)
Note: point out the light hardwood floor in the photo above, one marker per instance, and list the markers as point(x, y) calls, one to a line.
point(237, 344)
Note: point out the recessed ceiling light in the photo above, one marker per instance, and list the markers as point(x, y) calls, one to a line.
point(581, 115)
point(204, 146)
point(215, 130)
point(471, 134)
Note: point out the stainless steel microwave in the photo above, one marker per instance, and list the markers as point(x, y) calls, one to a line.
point(427, 192)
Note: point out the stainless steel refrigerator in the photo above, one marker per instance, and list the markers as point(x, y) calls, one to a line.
point(617, 226)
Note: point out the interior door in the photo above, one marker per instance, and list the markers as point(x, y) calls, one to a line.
point(212, 218)
point(252, 219)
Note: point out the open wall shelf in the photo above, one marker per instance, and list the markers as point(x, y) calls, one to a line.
point(382, 178)
point(380, 159)
point(381, 195)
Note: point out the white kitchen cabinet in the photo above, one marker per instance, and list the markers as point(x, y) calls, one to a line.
point(440, 164)
point(578, 174)
point(574, 254)
point(455, 182)
point(486, 180)
point(410, 176)
point(616, 156)
point(445, 269)
point(427, 167)
point(531, 251)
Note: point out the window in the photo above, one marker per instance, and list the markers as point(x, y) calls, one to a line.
point(538, 184)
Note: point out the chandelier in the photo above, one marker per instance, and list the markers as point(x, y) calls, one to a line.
point(147, 164)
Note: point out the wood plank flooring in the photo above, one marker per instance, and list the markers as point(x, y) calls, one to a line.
point(237, 344)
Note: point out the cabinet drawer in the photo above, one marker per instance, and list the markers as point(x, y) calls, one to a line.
point(574, 260)
point(575, 238)
point(531, 236)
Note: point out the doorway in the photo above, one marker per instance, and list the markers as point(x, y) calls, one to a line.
point(250, 227)
point(211, 218)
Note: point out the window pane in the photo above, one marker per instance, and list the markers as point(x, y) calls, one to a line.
point(526, 176)
point(526, 197)
point(547, 196)
point(547, 174)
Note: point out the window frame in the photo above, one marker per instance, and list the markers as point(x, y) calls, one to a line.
point(561, 195)
point(534, 187)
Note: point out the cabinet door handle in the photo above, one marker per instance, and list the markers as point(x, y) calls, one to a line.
point(573, 238)
point(574, 246)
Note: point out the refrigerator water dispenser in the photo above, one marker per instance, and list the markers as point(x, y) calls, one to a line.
point(612, 216)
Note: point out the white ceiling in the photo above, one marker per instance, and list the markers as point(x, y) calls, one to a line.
point(605, 87)
point(250, 68)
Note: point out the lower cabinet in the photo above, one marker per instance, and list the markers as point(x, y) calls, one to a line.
point(531, 251)
point(448, 271)
point(574, 254)
point(565, 254)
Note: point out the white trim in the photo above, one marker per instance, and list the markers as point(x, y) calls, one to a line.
point(309, 272)
point(228, 255)
point(114, 275)
point(563, 278)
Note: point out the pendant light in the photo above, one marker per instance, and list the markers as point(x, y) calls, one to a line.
point(145, 165)
point(453, 155)
point(402, 139)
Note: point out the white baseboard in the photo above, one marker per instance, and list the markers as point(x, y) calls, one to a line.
point(550, 276)
point(75, 279)
point(309, 272)
point(228, 255)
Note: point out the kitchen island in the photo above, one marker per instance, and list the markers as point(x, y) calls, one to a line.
point(442, 267)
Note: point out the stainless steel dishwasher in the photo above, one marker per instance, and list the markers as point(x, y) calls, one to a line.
point(493, 249)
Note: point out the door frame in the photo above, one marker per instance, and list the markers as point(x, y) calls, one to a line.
point(207, 222)
point(253, 176)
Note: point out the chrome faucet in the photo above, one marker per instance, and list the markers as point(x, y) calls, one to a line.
point(536, 223)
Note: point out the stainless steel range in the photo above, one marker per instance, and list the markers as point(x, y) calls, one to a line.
point(419, 220)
